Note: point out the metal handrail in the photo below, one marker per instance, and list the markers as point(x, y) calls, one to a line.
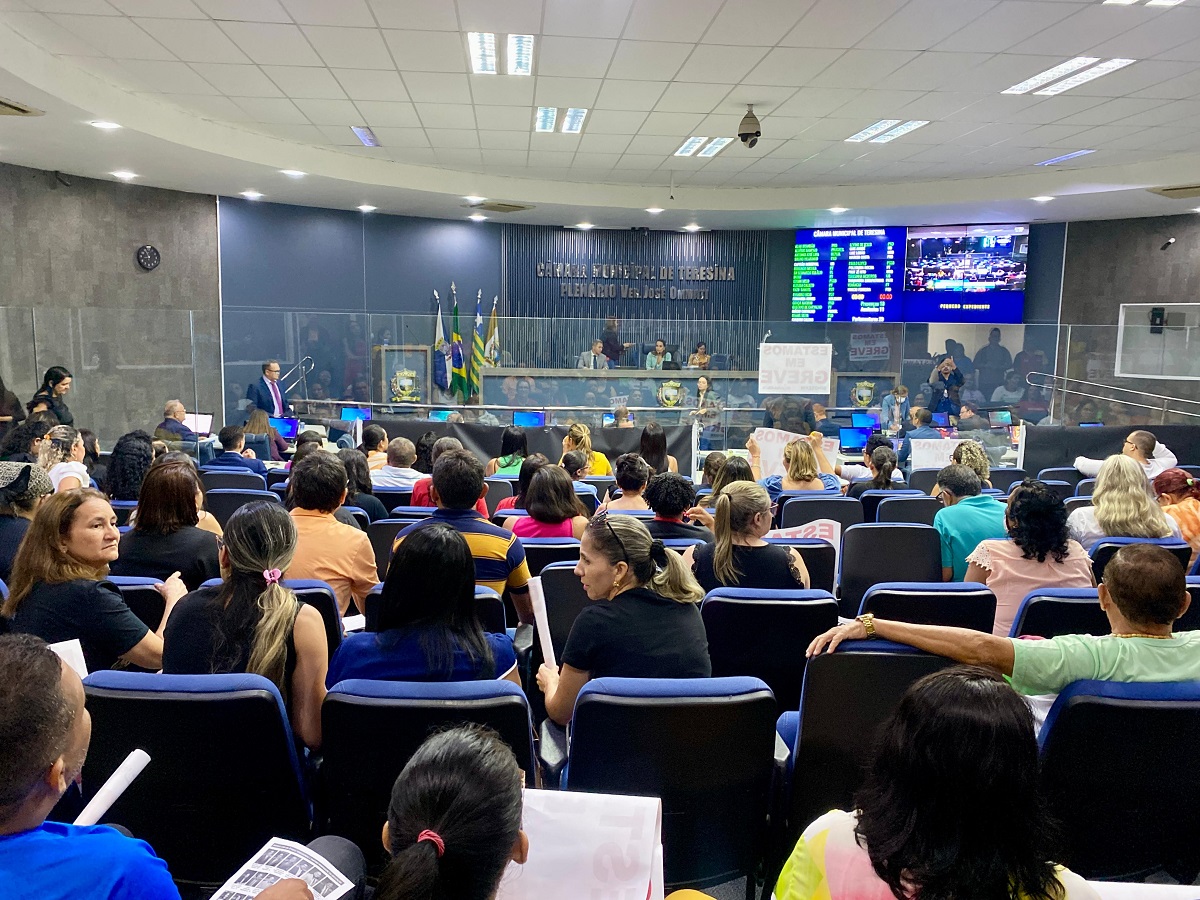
point(1060, 384)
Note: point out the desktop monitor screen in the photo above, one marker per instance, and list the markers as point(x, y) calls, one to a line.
point(1000, 417)
point(200, 423)
point(529, 419)
point(854, 438)
point(353, 413)
point(439, 415)
point(1091, 424)
point(287, 428)
point(864, 420)
point(941, 420)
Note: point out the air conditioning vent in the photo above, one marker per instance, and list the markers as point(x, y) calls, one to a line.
point(12, 108)
point(1180, 192)
point(496, 206)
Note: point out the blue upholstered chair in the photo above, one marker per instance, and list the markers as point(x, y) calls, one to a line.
point(1105, 548)
point(877, 552)
point(958, 604)
point(224, 502)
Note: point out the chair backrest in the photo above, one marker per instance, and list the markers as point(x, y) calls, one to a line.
point(675, 739)
point(785, 496)
point(913, 508)
point(382, 534)
point(565, 600)
point(763, 634)
point(1190, 620)
point(224, 775)
point(958, 604)
point(871, 499)
point(601, 483)
point(123, 509)
point(320, 596)
point(226, 478)
point(142, 598)
point(498, 489)
point(1086, 487)
point(589, 500)
point(1069, 474)
point(636, 513)
point(681, 544)
point(820, 558)
point(411, 513)
point(360, 516)
point(372, 728)
point(802, 510)
point(1105, 548)
point(1112, 776)
point(923, 480)
point(1004, 477)
point(393, 497)
point(224, 502)
point(490, 608)
point(260, 444)
point(276, 476)
point(1074, 503)
point(3, 590)
point(1061, 489)
point(878, 552)
point(1050, 612)
point(540, 552)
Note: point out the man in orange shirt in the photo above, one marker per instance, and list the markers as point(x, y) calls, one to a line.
point(338, 554)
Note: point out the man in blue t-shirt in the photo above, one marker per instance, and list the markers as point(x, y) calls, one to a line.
point(969, 518)
point(44, 735)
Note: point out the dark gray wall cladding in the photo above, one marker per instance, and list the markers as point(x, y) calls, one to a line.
point(72, 294)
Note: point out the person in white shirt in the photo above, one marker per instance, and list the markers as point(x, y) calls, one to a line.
point(1140, 446)
point(1122, 506)
point(398, 472)
point(851, 471)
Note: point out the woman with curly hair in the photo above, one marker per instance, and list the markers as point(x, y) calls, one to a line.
point(1122, 506)
point(127, 466)
point(972, 455)
point(1038, 553)
point(1178, 494)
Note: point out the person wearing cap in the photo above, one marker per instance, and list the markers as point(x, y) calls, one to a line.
point(23, 486)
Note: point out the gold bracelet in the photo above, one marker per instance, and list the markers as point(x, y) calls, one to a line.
point(867, 620)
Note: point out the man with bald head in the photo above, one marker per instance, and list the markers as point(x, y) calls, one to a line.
point(172, 428)
point(1140, 446)
point(398, 471)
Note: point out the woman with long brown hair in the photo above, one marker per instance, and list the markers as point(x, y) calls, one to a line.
point(260, 423)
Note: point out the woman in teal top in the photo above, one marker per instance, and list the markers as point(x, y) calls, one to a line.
point(513, 450)
point(660, 355)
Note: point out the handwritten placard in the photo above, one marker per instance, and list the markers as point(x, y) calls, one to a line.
point(932, 453)
point(794, 368)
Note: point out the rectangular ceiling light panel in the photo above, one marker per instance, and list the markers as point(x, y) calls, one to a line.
point(1060, 71)
point(546, 117)
point(1064, 157)
point(690, 146)
point(520, 54)
point(365, 135)
point(573, 120)
point(909, 126)
point(867, 133)
point(1105, 68)
point(481, 47)
point(715, 146)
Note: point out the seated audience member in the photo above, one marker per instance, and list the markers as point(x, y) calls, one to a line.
point(739, 557)
point(659, 355)
point(514, 447)
point(399, 471)
point(260, 423)
point(950, 806)
point(882, 467)
point(653, 449)
point(131, 459)
point(23, 442)
point(422, 494)
point(521, 486)
point(553, 507)
point(594, 358)
point(1143, 593)
point(59, 592)
point(825, 425)
point(801, 470)
point(1140, 446)
point(91, 456)
point(1122, 506)
point(326, 549)
point(972, 455)
point(1038, 553)
point(165, 538)
point(579, 437)
point(894, 409)
point(1179, 496)
point(699, 358)
point(632, 474)
point(171, 428)
point(712, 465)
point(428, 620)
point(578, 466)
point(671, 495)
point(968, 519)
point(23, 487)
point(359, 490)
point(51, 396)
point(454, 820)
point(734, 470)
point(650, 626)
point(424, 448)
point(374, 446)
point(252, 623)
point(61, 455)
point(853, 472)
point(622, 417)
point(206, 521)
point(306, 439)
point(234, 454)
point(921, 430)
point(969, 419)
point(499, 557)
point(1012, 391)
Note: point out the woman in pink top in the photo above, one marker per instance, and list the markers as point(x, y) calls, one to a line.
point(554, 509)
point(1037, 554)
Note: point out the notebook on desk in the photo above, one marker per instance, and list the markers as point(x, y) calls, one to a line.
point(199, 423)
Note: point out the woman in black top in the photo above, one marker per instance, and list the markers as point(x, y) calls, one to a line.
point(882, 464)
point(50, 396)
point(131, 458)
point(165, 538)
point(646, 624)
point(23, 443)
point(739, 557)
point(359, 491)
point(22, 488)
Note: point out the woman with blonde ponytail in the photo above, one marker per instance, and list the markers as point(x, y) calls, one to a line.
point(739, 557)
point(579, 437)
point(252, 622)
point(649, 626)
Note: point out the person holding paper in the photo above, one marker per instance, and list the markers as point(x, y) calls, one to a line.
point(649, 628)
point(802, 473)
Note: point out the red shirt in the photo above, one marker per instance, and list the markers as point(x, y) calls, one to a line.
point(421, 497)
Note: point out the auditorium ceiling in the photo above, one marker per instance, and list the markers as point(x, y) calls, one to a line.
point(221, 96)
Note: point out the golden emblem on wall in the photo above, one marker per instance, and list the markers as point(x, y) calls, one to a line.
point(670, 393)
point(404, 387)
point(864, 393)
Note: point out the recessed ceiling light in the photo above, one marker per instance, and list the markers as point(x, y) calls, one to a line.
point(654, 210)
point(1042, 199)
point(837, 210)
point(291, 173)
point(1163, 2)
point(692, 227)
point(1064, 157)
point(365, 135)
point(870, 131)
point(520, 54)
point(105, 126)
point(1060, 71)
point(481, 47)
point(573, 120)
point(366, 207)
point(690, 146)
point(715, 146)
point(900, 131)
point(1119, 2)
point(251, 195)
point(124, 176)
point(477, 217)
point(1084, 77)
point(585, 226)
point(546, 117)
point(1197, 210)
point(472, 199)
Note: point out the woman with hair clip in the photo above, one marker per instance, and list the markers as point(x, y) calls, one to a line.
point(1122, 506)
point(524, 479)
point(579, 437)
point(553, 506)
point(454, 820)
point(252, 623)
point(649, 628)
point(428, 622)
point(882, 464)
point(1178, 494)
point(61, 455)
point(514, 447)
point(23, 487)
point(739, 557)
point(653, 449)
point(50, 396)
point(632, 476)
point(950, 807)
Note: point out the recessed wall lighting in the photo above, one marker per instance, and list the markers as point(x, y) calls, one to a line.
point(715, 146)
point(899, 131)
point(365, 135)
point(838, 210)
point(545, 119)
point(585, 226)
point(252, 195)
point(366, 207)
point(690, 146)
point(124, 176)
point(481, 47)
point(520, 54)
point(1042, 199)
point(1084, 77)
point(693, 227)
point(654, 210)
point(105, 126)
point(291, 173)
point(573, 120)
point(1064, 157)
point(1062, 70)
point(472, 199)
point(477, 217)
point(871, 130)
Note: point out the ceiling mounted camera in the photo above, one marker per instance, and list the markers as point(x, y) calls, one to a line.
point(750, 130)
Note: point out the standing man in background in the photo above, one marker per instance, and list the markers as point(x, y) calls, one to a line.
point(610, 341)
point(992, 361)
point(266, 394)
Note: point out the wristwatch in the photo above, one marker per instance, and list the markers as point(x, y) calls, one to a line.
point(868, 623)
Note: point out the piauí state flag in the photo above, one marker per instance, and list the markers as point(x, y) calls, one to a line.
point(477, 358)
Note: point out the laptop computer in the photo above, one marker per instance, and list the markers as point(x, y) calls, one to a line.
point(353, 413)
point(286, 427)
point(854, 439)
point(941, 420)
point(529, 419)
point(1000, 417)
point(200, 423)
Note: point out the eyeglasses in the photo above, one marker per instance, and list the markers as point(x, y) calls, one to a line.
point(602, 518)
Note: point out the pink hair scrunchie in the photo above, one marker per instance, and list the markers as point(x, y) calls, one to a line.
point(272, 576)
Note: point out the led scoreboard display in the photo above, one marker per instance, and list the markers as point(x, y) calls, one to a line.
point(848, 275)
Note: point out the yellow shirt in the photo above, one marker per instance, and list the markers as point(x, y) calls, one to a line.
point(600, 464)
point(338, 554)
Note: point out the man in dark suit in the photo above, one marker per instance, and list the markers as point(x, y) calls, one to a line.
point(235, 456)
point(172, 428)
point(266, 394)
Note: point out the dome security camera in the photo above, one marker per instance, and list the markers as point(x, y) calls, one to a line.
point(750, 130)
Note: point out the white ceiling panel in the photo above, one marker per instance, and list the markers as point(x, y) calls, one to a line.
point(937, 71)
point(862, 68)
point(300, 134)
point(654, 145)
point(272, 45)
point(428, 51)
point(1087, 28)
point(168, 77)
point(245, 10)
point(595, 160)
point(611, 121)
point(878, 104)
point(371, 84)
point(550, 159)
point(681, 125)
point(500, 157)
point(590, 142)
point(1176, 112)
point(306, 82)
point(378, 113)
point(648, 60)
point(509, 17)
point(330, 112)
point(238, 81)
point(791, 65)
point(339, 135)
point(1004, 70)
point(446, 115)
point(504, 140)
point(586, 18)
point(816, 101)
point(1104, 112)
point(633, 95)
point(401, 137)
point(218, 109)
point(665, 20)
point(458, 158)
point(437, 87)
point(1183, 87)
point(193, 41)
point(702, 98)
point(74, 7)
point(565, 92)
point(453, 137)
point(1004, 25)
point(49, 35)
point(502, 90)
point(755, 22)
point(419, 15)
point(117, 37)
point(159, 9)
point(350, 48)
point(922, 24)
point(1161, 32)
point(1144, 75)
point(272, 111)
point(841, 23)
point(574, 57)
point(348, 13)
point(504, 118)
point(935, 105)
point(719, 64)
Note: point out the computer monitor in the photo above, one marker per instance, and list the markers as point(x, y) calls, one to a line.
point(440, 415)
point(200, 423)
point(608, 420)
point(1000, 417)
point(353, 413)
point(854, 439)
point(864, 420)
point(941, 420)
point(529, 419)
point(287, 428)
point(1091, 424)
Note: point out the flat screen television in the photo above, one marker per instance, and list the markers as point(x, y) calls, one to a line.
point(864, 420)
point(529, 419)
point(848, 275)
point(1000, 417)
point(966, 273)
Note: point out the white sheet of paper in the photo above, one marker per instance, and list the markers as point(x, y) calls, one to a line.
point(71, 652)
point(279, 860)
point(538, 597)
point(353, 623)
point(932, 453)
point(110, 792)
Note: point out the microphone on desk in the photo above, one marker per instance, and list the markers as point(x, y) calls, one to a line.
point(765, 336)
